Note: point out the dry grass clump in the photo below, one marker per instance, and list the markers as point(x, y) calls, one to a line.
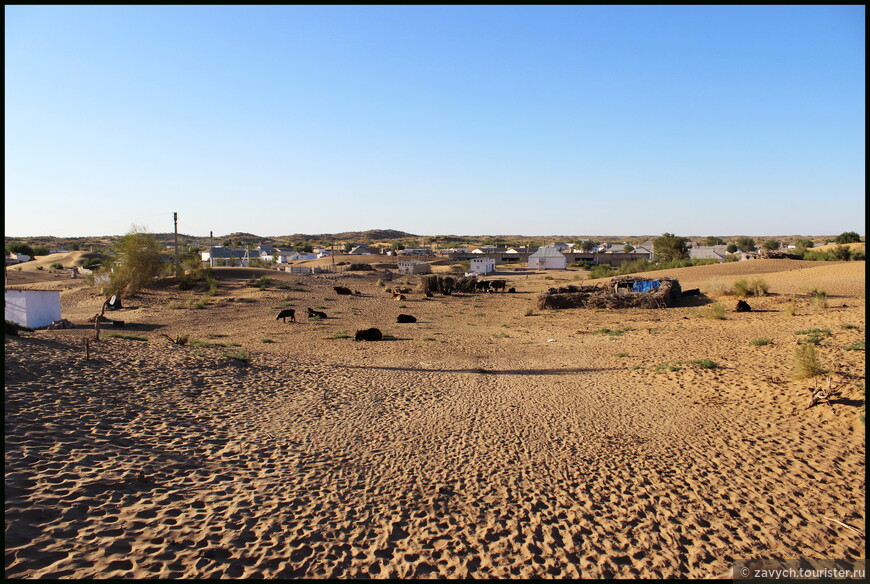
point(807, 364)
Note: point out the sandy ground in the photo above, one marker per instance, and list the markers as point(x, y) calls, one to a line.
point(488, 439)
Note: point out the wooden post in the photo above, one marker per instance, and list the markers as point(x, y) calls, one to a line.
point(87, 349)
point(97, 328)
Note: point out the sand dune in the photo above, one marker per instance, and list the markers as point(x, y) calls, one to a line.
point(487, 440)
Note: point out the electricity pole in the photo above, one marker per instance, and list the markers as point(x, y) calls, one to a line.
point(177, 265)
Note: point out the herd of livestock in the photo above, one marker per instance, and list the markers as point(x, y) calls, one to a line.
point(374, 334)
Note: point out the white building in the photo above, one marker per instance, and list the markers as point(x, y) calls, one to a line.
point(482, 266)
point(548, 258)
point(33, 308)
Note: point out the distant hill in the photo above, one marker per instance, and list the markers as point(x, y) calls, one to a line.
point(370, 235)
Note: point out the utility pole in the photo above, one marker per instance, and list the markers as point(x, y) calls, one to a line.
point(177, 265)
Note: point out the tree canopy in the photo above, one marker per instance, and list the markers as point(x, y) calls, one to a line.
point(136, 261)
point(847, 237)
point(669, 247)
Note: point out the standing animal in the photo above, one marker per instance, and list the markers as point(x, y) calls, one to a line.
point(497, 285)
point(287, 313)
point(371, 334)
point(482, 285)
point(342, 290)
point(316, 314)
point(405, 318)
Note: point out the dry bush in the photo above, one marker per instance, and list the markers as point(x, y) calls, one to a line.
point(807, 364)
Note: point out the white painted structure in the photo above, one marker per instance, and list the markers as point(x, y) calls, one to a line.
point(482, 266)
point(33, 308)
point(548, 258)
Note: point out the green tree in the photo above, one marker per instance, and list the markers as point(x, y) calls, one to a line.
point(732, 248)
point(847, 237)
point(771, 245)
point(136, 261)
point(628, 248)
point(841, 253)
point(669, 247)
point(587, 245)
point(20, 248)
point(803, 244)
point(41, 250)
point(745, 243)
point(713, 240)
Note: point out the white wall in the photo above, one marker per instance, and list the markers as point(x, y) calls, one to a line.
point(33, 308)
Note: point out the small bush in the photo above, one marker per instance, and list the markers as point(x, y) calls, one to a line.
point(266, 341)
point(741, 288)
point(807, 363)
point(791, 309)
point(758, 287)
point(761, 342)
point(622, 354)
point(56, 266)
point(716, 311)
point(612, 333)
point(128, 337)
point(859, 346)
point(13, 328)
point(238, 356)
point(40, 268)
point(848, 326)
point(705, 364)
point(529, 312)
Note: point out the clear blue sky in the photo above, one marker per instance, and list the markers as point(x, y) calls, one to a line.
point(466, 120)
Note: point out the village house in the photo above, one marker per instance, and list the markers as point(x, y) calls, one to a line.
point(548, 258)
point(481, 266)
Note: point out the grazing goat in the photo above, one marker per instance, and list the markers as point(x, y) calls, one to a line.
point(371, 334)
point(405, 318)
point(742, 306)
point(316, 314)
point(287, 313)
point(342, 290)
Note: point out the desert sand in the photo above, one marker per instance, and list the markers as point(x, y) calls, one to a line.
point(489, 439)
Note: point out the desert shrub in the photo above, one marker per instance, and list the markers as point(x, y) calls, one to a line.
point(56, 266)
point(128, 337)
point(819, 299)
point(740, 289)
point(622, 354)
point(791, 309)
point(857, 346)
point(760, 342)
point(13, 328)
point(199, 304)
point(666, 367)
point(266, 341)
point(238, 356)
point(715, 311)
point(705, 363)
point(137, 260)
point(848, 326)
point(758, 287)
point(548, 277)
point(601, 271)
point(612, 333)
point(40, 268)
point(529, 312)
point(813, 336)
point(807, 364)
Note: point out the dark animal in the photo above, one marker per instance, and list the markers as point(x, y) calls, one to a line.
point(398, 296)
point(692, 292)
point(482, 285)
point(371, 334)
point(405, 318)
point(342, 290)
point(743, 306)
point(497, 285)
point(429, 294)
point(287, 313)
point(403, 290)
point(316, 314)
point(512, 290)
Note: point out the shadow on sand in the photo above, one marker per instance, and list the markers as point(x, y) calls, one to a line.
point(481, 371)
